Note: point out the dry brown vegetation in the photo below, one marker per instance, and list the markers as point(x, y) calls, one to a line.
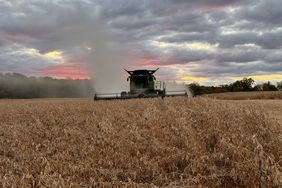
point(247, 95)
point(175, 142)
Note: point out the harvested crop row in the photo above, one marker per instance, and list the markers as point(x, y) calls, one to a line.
point(142, 143)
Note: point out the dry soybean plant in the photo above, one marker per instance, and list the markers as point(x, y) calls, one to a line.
point(175, 142)
point(247, 95)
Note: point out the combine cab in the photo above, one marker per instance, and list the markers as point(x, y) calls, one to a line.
point(143, 84)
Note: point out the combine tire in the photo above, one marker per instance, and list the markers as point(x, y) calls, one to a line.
point(141, 96)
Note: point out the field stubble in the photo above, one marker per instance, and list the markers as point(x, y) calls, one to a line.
point(138, 143)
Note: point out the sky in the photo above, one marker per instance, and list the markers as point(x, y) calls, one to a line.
point(211, 42)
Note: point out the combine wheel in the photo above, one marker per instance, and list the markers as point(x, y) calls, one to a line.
point(141, 96)
point(123, 94)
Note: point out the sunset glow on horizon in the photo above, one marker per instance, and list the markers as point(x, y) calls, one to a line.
point(12, 37)
point(66, 72)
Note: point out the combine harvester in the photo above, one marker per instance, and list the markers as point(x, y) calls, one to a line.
point(143, 84)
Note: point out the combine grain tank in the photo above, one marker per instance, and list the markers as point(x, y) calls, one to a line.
point(143, 84)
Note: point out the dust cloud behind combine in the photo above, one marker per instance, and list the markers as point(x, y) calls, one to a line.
point(106, 62)
point(105, 57)
point(90, 43)
point(174, 86)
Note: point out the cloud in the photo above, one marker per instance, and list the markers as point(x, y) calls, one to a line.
point(17, 58)
point(266, 12)
point(206, 39)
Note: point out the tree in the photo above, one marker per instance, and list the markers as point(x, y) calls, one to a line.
point(269, 87)
point(258, 87)
point(200, 90)
point(14, 85)
point(246, 84)
point(196, 88)
point(279, 85)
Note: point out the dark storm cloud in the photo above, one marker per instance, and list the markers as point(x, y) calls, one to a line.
point(189, 37)
point(267, 40)
point(234, 70)
point(239, 57)
point(210, 2)
point(246, 35)
point(267, 12)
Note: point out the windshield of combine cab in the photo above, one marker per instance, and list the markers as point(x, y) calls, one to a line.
point(140, 81)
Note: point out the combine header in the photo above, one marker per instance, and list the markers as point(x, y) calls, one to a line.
point(143, 84)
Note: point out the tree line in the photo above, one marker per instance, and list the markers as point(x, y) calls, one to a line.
point(19, 86)
point(246, 84)
point(15, 86)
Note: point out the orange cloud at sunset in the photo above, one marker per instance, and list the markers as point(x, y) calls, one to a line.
point(159, 62)
point(193, 78)
point(151, 60)
point(54, 55)
point(71, 72)
point(12, 37)
point(211, 7)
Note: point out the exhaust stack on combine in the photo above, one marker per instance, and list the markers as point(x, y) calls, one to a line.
point(143, 84)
